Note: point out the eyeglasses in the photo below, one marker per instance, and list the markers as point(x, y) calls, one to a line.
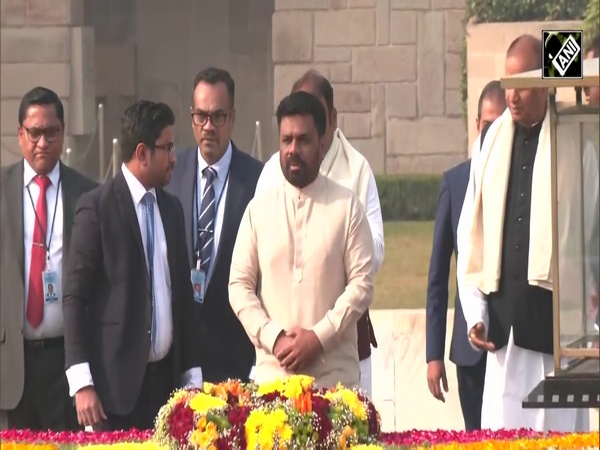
point(170, 148)
point(35, 134)
point(200, 118)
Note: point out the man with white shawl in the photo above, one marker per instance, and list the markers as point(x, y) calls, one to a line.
point(505, 254)
point(346, 166)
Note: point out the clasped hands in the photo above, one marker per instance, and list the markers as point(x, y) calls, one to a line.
point(296, 348)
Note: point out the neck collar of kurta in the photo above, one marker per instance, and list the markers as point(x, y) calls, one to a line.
point(306, 191)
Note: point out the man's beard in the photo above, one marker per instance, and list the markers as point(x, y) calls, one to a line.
point(298, 178)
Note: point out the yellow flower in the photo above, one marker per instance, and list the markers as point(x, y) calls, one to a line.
point(202, 403)
point(201, 425)
point(270, 387)
point(350, 398)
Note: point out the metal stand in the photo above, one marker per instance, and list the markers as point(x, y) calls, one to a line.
point(578, 386)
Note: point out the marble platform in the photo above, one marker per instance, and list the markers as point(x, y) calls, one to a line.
point(400, 390)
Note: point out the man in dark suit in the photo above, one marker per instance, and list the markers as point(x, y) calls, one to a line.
point(128, 304)
point(36, 230)
point(470, 364)
point(214, 182)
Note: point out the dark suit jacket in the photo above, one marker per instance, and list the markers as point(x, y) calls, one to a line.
point(226, 350)
point(451, 197)
point(12, 270)
point(107, 303)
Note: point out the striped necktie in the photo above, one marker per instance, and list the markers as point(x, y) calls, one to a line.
point(206, 219)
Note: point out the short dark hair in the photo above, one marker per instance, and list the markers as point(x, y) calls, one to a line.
point(594, 47)
point(303, 104)
point(492, 91)
point(41, 96)
point(321, 83)
point(143, 122)
point(213, 75)
point(530, 44)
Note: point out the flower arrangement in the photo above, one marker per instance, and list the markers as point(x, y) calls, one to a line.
point(284, 414)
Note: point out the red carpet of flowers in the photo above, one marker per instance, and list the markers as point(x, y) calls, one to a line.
point(22, 439)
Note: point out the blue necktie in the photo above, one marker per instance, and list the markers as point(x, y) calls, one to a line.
point(206, 219)
point(148, 200)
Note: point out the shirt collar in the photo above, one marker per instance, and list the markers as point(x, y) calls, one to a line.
point(29, 174)
point(136, 188)
point(221, 166)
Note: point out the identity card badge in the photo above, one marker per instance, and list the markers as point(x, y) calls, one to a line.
point(50, 281)
point(198, 278)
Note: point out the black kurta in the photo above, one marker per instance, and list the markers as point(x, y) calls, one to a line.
point(525, 308)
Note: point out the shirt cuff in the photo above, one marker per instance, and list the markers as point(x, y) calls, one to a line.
point(324, 330)
point(79, 376)
point(269, 335)
point(192, 378)
point(475, 313)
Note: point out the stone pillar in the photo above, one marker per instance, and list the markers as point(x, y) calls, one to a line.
point(395, 68)
point(44, 43)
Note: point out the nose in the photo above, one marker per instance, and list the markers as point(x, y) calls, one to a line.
point(209, 124)
point(43, 142)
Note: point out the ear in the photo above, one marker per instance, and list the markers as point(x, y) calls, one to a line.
point(334, 118)
point(322, 148)
point(232, 115)
point(142, 154)
point(477, 120)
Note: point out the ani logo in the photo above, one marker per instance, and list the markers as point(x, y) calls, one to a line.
point(562, 55)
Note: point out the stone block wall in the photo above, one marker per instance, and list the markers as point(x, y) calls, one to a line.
point(395, 68)
point(37, 45)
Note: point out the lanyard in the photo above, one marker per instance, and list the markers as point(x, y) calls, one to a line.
point(39, 222)
point(196, 201)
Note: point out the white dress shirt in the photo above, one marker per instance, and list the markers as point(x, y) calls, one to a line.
point(220, 185)
point(52, 322)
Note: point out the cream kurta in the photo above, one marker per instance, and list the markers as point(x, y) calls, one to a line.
point(304, 258)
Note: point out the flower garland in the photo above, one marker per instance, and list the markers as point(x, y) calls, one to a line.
point(435, 440)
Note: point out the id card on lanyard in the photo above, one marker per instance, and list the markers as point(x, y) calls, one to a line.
point(49, 275)
point(197, 275)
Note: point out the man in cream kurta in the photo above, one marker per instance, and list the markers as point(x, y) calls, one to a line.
point(504, 256)
point(346, 166)
point(302, 264)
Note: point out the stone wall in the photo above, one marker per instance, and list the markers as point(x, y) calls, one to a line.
point(486, 51)
point(43, 44)
point(395, 67)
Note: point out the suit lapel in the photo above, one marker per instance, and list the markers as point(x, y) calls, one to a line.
point(188, 196)
point(127, 208)
point(14, 197)
point(233, 202)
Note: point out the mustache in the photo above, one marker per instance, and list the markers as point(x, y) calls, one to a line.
point(294, 160)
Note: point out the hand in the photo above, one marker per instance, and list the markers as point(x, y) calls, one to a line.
point(478, 339)
point(436, 371)
point(282, 343)
point(89, 408)
point(305, 346)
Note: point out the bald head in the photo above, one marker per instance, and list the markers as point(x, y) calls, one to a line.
point(316, 84)
point(527, 106)
point(528, 49)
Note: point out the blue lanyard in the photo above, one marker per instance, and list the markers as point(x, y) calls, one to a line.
point(197, 200)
